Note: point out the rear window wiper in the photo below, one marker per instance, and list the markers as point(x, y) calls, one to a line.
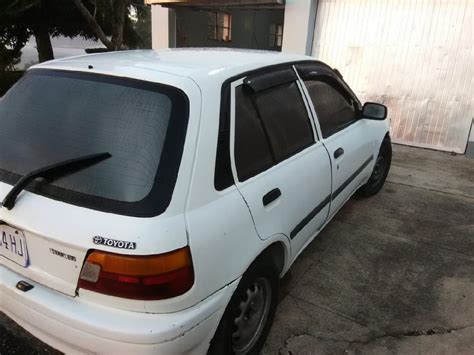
point(52, 172)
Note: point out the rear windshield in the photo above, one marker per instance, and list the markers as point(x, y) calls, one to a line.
point(51, 116)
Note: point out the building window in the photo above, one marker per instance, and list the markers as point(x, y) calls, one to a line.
point(276, 35)
point(219, 26)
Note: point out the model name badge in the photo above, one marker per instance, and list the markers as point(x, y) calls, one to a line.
point(62, 255)
point(121, 244)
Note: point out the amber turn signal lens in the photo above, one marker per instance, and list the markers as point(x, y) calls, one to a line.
point(150, 277)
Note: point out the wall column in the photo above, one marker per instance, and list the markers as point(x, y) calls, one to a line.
point(470, 142)
point(163, 27)
point(298, 29)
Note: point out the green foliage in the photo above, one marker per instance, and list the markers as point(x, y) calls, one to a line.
point(13, 37)
point(12, 40)
point(7, 79)
point(142, 26)
point(112, 19)
point(43, 19)
point(58, 17)
point(107, 20)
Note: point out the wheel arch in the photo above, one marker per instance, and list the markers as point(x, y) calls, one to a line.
point(277, 252)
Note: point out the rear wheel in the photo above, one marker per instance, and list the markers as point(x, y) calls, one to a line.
point(248, 317)
point(380, 172)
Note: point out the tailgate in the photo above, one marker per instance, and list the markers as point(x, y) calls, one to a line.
point(46, 261)
point(47, 241)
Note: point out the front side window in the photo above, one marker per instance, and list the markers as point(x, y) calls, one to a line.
point(335, 111)
point(270, 126)
point(51, 116)
point(219, 26)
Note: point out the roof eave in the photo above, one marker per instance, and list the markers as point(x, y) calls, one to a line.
point(218, 3)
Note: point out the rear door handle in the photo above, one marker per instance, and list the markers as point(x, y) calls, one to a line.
point(338, 152)
point(271, 196)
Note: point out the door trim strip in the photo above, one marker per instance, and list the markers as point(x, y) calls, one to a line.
point(351, 178)
point(328, 199)
point(309, 217)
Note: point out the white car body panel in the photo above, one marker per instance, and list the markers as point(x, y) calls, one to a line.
point(205, 203)
point(225, 230)
point(72, 233)
point(358, 153)
point(296, 178)
point(73, 325)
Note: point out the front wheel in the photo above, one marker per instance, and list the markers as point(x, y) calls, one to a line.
point(248, 317)
point(380, 172)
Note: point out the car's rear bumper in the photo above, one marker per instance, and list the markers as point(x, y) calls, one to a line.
point(74, 326)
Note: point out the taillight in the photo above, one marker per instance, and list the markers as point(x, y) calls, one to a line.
point(150, 277)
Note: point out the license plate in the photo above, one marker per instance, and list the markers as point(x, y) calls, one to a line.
point(13, 245)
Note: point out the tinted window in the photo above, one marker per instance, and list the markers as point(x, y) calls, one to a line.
point(333, 109)
point(51, 116)
point(223, 177)
point(252, 152)
point(285, 119)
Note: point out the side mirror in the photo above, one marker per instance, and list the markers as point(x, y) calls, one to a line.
point(374, 111)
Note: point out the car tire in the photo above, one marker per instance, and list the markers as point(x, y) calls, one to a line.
point(380, 171)
point(256, 296)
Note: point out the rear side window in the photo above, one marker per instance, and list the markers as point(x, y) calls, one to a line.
point(335, 111)
point(270, 126)
point(285, 119)
point(51, 116)
point(252, 152)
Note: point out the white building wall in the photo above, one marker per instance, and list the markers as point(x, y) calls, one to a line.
point(298, 26)
point(159, 27)
point(415, 56)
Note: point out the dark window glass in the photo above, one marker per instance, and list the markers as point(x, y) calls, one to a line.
point(252, 152)
point(223, 172)
point(285, 119)
point(334, 110)
point(51, 116)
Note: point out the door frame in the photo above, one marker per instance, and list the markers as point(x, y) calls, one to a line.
point(309, 109)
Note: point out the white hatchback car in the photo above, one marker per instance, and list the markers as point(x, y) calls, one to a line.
point(153, 199)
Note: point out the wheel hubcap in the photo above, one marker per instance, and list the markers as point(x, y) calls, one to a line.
point(252, 314)
point(378, 169)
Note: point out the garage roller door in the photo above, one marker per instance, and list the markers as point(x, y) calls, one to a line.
point(415, 56)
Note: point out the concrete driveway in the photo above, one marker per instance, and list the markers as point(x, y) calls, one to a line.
point(390, 274)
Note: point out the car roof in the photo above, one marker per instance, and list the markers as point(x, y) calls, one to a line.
point(196, 63)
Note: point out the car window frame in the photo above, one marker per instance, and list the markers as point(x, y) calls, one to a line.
point(315, 69)
point(157, 201)
point(233, 135)
point(314, 129)
point(223, 178)
point(342, 92)
point(311, 71)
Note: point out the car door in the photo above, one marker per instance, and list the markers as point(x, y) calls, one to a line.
point(280, 167)
point(344, 134)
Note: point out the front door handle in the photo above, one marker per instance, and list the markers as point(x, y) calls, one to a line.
point(338, 152)
point(271, 196)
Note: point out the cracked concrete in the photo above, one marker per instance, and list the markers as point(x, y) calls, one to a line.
point(455, 341)
point(392, 274)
